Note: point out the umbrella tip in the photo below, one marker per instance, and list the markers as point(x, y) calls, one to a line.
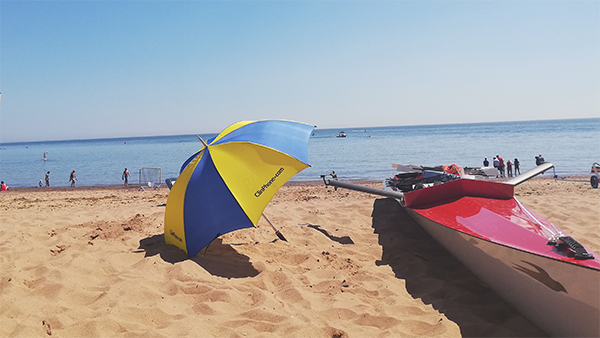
point(281, 236)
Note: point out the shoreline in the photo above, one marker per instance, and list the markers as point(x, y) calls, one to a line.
point(162, 186)
point(575, 178)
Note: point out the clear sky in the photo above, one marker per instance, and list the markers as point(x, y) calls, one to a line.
point(95, 69)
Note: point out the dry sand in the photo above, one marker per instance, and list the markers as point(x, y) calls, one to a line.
point(91, 262)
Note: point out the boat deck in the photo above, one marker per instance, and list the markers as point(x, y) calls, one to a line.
point(487, 210)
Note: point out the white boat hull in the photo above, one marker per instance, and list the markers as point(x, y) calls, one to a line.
point(560, 298)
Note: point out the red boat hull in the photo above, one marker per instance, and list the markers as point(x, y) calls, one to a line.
point(502, 242)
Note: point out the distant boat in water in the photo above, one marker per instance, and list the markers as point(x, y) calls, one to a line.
point(341, 134)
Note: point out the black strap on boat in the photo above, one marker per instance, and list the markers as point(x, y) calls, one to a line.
point(571, 243)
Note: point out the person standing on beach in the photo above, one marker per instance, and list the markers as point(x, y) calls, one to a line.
point(72, 178)
point(517, 169)
point(48, 180)
point(333, 175)
point(509, 168)
point(486, 163)
point(496, 165)
point(126, 176)
point(500, 165)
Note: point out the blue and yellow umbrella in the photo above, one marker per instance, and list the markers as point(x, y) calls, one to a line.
point(228, 183)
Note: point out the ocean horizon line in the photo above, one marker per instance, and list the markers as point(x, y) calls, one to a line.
point(12, 143)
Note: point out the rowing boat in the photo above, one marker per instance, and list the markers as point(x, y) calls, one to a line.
point(546, 275)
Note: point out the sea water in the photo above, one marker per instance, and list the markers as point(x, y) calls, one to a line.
point(366, 153)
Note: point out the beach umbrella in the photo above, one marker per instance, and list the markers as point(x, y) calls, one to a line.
point(227, 184)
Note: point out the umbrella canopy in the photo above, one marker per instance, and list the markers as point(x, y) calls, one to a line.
point(228, 183)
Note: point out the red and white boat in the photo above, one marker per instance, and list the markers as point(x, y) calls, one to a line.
point(542, 272)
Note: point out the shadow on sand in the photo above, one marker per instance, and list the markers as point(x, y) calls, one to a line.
point(341, 240)
point(433, 275)
point(219, 260)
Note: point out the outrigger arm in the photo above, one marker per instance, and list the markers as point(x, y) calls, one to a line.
point(362, 188)
point(540, 169)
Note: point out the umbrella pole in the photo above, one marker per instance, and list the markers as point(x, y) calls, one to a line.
point(272, 226)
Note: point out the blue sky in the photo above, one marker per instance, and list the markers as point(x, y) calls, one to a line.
point(95, 69)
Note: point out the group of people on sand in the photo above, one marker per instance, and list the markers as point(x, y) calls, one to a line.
point(498, 163)
point(504, 169)
point(72, 179)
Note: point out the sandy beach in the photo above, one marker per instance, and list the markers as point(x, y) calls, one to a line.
point(92, 262)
